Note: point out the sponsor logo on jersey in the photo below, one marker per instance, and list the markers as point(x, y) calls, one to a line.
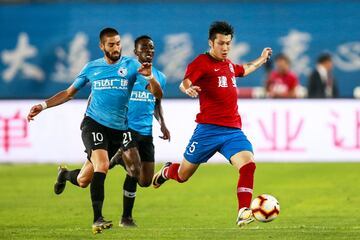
point(142, 96)
point(122, 71)
point(104, 84)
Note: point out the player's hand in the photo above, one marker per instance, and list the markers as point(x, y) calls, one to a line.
point(165, 132)
point(266, 53)
point(35, 110)
point(193, 91)
point(145, 69)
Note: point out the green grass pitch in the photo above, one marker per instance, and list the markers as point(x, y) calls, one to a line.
point(318, 201)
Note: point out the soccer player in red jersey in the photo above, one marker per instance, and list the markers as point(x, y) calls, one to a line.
point(211, 76)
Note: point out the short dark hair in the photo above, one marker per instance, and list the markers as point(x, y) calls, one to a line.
point(107, 32)
point(324, 57)
point(220, 27)
point(137, 40)
point(282, 56)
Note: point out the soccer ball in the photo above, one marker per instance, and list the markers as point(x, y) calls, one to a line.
point(265, 208)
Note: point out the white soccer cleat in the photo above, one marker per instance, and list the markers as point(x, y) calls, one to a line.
point(244, 217)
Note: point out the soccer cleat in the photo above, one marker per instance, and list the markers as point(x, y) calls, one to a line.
point(116, 159)
point(60, 184)
point(101, 224)
point(127, 222)
point(244, 217)
point(159, 177)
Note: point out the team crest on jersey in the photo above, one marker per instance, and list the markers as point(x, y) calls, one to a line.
point(231, 68)
point(122, 72)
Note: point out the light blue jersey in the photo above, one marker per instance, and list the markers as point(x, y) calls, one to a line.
point(111, 85)
point(142, 105)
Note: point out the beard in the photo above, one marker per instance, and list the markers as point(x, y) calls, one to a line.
point(113, 58)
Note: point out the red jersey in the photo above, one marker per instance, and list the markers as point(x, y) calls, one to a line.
point(282, 82)
point(218, 96)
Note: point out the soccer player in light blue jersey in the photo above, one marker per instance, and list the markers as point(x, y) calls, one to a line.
point(142, 107)
point(105, 127)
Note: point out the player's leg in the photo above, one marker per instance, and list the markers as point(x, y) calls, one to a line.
point(129, 191)
point(85, 175)
point(131, 157)
point(179, 172)
point(129, 194)
point(96, 139)
point(244, 163)
point(146, 152)
point(78, 177)
point(117, 159)
point(202, 146)
point(99, 158)
point(147, 155)
point(132, 161)
point(238, 150)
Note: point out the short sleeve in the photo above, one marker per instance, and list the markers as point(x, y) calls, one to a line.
point(194, 70)
point(81, 79)
point(239, 70)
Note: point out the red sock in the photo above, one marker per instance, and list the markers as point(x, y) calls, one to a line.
point(172, 172)
point(245, 185)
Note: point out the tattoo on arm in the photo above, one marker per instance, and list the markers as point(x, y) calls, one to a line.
point(251, 64)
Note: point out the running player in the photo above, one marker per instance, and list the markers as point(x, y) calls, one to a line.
point(104, 128)
point(211, 76)
point(142, 106)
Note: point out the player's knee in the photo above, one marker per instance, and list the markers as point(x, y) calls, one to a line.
point(145, 183)
point(134, 171)
point(83, 184)
point(102, 167)
point(182, 179)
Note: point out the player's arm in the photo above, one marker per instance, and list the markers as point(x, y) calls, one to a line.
point(153, 86)
point(255, 64)
point(57, 99)
point(159, 115)
point(190, 90)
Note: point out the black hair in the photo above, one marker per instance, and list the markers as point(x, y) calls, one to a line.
point(220, 27)
point(107, 32)
point(324, 57)
point(140, 38)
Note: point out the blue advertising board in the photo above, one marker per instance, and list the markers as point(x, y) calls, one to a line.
point(44, 46)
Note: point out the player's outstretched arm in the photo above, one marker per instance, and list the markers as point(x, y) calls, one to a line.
point(253, 65)
point(154, 86)
point(158, 114)
point(55, 100)
point(190, 90)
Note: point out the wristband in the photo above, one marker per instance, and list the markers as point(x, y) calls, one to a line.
point(43, 105)
point(149, 77)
